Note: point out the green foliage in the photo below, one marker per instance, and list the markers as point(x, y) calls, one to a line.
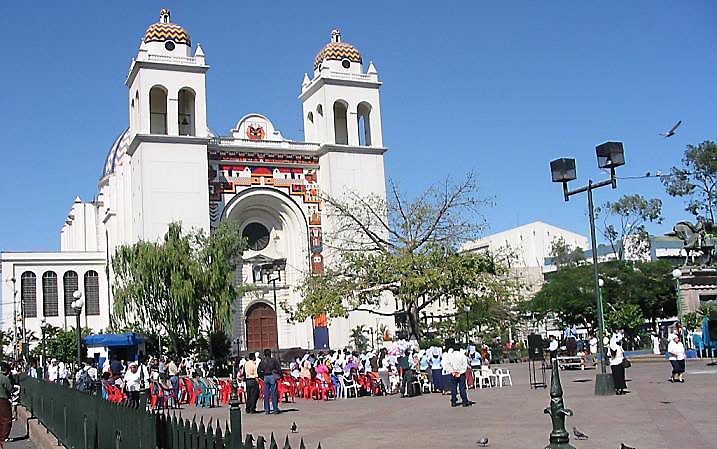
point(176, 286)
point(624, 223)
point(358, 338)
point(624, 316)
point(564, 255)
point(696, 180)
point(569, 294)
point(692, 320)
point(61, 344)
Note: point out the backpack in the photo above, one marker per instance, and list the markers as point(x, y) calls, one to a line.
point(84, 383)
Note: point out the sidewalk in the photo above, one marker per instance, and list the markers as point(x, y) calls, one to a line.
point(19, 430)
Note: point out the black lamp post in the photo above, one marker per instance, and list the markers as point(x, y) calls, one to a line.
point(466, 309)
point(272, 271)
point(610, 155)
point(43, 323)
point(77, 305)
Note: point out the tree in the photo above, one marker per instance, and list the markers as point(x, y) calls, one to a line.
point(624, 223)
point(179, 286)
point(564, 255)
point(359, 339)
point(61, 344)
point(406, 248)
point(569, 294)
point(696, 180)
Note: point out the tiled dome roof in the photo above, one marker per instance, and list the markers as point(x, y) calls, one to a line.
point(338, 51)
point(164, 30)
point(117, 151)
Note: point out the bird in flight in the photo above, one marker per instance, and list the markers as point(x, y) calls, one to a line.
point(579, 435)
point(483, 442)
point(672, 131)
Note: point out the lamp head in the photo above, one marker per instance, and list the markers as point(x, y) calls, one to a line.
point(676, 273)
point(610, 154)
point(601, 282)
point(77, 294)
point(563, 169)
point(466, 309)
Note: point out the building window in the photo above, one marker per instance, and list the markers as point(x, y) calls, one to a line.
point(340, 124)
point(28, 294)
point(364, 124)
point(92, 293)
point(158, 110)
point(49, 294)
point(257, 236)
point(186, 112)
point(70, 286)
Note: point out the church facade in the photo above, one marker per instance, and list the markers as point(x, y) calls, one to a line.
point(168, 166)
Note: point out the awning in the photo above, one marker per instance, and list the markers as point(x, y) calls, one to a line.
point(113, 340)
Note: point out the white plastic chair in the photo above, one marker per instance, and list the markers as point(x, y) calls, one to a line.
point(345, 388)
point(503, 374)
point(487, 373)
point(425, 383)
point(481, 379)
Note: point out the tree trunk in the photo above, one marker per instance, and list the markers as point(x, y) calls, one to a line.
point(413, 322)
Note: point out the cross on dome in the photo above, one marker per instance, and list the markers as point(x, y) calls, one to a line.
point(164, 15)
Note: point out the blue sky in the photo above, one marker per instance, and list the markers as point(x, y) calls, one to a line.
point(499, 87)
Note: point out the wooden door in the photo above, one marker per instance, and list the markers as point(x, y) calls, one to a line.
point(261, 328)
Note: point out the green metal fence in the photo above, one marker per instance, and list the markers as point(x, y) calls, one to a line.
point(86, 421)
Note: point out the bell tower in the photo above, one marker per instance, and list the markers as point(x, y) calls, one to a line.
point(341, 102)
point(168, 132)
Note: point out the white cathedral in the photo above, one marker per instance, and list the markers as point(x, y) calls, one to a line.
point(168, 166)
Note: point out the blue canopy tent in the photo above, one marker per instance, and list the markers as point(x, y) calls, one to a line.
point(126, 346)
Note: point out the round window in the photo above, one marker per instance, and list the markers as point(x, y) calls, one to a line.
point(169, 45)
point(257, 235)
point(346, 63)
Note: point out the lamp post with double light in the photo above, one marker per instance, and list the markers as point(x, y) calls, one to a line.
point(467, 309)
point(610, 155)
point(43, 324)
point(272, 271)
point(676, 275)
point(77, 306)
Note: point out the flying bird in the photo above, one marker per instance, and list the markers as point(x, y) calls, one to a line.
point(483, 442)
point(671, 132)
point(293, 427)
point(579, 435)
point(625, 446)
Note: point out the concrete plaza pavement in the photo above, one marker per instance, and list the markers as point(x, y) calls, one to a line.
point(656, 415)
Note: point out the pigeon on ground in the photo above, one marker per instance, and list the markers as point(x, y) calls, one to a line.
point(671, 132)
point(625, 446)
point(483, 442)
point(579, 435)
point(293, 427)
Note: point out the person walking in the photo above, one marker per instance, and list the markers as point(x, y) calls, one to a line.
point(617, 356)
point(252, 383)
point(458, 365)
point(6, 390)
point(271, 370)
point(677, 358)
point(133, 384)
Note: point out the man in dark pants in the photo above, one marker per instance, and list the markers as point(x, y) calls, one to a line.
point(252, 383)
point(271, 369)
point(6, 390)
point(459, 365)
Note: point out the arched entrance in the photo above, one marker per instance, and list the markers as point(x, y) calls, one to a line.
point(260, 327)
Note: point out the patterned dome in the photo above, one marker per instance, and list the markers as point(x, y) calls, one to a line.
point(117, 151)
point(164, 30)
point(337, 51)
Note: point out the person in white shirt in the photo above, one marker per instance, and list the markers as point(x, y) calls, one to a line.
point(617, 356)
point(553, 347)
point(677, 358)
point(53, 371)
point(458, 364)
point(593, 343)
point(446, 370)
point(132, 384)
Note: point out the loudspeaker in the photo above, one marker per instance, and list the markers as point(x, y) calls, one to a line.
point(450, 343)
point(712, 328)
point(535, 347)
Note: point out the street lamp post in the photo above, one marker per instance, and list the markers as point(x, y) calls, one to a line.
point(273, 272)
point(466, 309)
point(43, 323)
point(77, 305)
point(610, 155)
point(677, 274)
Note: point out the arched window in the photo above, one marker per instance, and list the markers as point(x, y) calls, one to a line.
point(49, 294)
point(340, 125)
point(158, 110)
point(320, 110)
point(186, 112)
point(310, 117)
point(28, 294)
point(363, 113)
point(92, 293)
point(69, 286)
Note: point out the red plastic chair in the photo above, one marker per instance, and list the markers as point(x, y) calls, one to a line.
point(114, 394)
point(225, 391)
point(261, 388)
point(325, 387)
point(287, 388)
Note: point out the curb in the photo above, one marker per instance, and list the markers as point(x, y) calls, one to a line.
point(39, 434)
